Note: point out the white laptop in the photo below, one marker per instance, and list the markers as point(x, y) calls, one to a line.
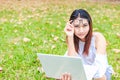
point(54, 66)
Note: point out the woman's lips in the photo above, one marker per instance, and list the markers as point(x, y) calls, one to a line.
point(81, 34)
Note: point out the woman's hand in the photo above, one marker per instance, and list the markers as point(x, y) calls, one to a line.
point(66, 76)
point(69, 29)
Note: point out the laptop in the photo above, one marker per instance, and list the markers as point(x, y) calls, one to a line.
point(55, 65)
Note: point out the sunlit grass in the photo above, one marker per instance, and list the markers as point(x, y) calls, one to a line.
point(27, 29)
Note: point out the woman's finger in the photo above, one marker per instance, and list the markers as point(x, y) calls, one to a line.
point(69, 76)
point(71, 25)
point(71, 21)
point(65, 77)
point(68, 28)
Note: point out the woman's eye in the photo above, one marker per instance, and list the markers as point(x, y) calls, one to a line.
point(85, 25)
point(76, 25)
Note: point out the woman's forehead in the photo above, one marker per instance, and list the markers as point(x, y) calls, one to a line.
point(81, 20)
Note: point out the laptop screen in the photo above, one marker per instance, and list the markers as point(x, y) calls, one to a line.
point(54, 66)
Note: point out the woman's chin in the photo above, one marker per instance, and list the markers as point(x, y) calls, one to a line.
point(82, 38)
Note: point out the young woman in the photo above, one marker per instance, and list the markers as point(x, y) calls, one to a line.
point(90, 46)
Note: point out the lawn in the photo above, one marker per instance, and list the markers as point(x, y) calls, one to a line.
point(31, 26)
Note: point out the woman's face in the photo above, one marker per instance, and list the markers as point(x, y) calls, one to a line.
point(81, 28)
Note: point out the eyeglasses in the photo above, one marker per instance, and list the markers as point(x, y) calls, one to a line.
point(77, 22)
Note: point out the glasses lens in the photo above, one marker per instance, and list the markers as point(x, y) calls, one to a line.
point(76, 22)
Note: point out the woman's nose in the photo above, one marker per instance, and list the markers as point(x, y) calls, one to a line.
point(80, 29)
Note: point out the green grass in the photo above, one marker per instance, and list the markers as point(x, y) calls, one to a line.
point(42, 23)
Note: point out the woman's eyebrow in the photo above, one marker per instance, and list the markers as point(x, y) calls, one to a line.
point(85, 23)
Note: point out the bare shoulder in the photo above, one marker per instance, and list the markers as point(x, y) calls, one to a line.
point(99, 36)
point(100, 42)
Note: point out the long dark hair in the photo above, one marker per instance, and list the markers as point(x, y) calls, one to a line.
point(83, 14)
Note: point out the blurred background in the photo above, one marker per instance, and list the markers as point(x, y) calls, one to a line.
point(31, 26)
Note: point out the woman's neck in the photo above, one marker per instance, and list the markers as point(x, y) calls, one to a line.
point(83, 40)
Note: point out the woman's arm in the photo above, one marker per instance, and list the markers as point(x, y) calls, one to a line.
point(100, 44)
point(71, 47)
point(69, 30)
point(102, 78)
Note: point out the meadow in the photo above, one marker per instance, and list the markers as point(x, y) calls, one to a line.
point(31, 26)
